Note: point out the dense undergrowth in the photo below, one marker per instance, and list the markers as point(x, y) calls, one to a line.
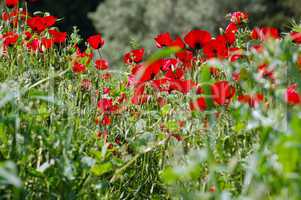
point(204, 117)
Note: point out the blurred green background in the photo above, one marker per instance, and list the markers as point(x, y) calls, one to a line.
point(133, 23)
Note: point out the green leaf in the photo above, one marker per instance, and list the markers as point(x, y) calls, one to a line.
point(101, 169)
point(163, 53)
point(165, 109)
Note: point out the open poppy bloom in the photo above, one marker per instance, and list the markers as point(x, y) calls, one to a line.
point(222, 92)
point(10, 39)
point(11, 3)
point(196, 39)
point(78, 68)
point(265, 33)
point(96, 41)
point(134, 56)
point(101, 64)
point(296, 37)
point(216, 48)
point(39, 24)
point(165, 40)
point(148, 72)
point(291, 95)
point(57, 36)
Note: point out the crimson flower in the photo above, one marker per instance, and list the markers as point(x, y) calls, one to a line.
point(177, 73)
point(101, 64)
point(57, 36)
point(39, 24)
point(47, 43)
point(147, 72)
point(222, 92)
point(185, 57)
point(168, 63)
point(198, 105)
point(196, 39)
point(291, 96)
point(134, 56)
point(105, 105)
point(253, 101)
point(230, 33)
point(106, 121)
point(10, 39)
point(239, 17)
point(11, 3)
point(296, 37)
point(165, 40)
point(34, 44)
point(78, 68)
point(216, 48)
point(265, 33)
point(96, 41)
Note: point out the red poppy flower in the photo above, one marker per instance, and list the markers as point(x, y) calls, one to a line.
point(39, 24)
point(5, 16)
point(106, 90)
point(222, 92)
point(165, 40)
point(196, 39)
point(169, 85)
point(101, 64)
point(96, 41)
point(78, 68)
point(265, 33)
point(134, 56)
point(168, 64)
point(33, 45)
point(175, 73)
point(296, 37)
point(148, 72)
point(57, 36)
point(105, 105)
point(216, 48)
point(230, 33)
point(11, 3)
point(10, 39)
point(47, 43)
point(238, 17)
point(291, 95)
point(178, 42)
point(185, 57)
point(198, 105)
point(106, 121)
point(253, 101)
